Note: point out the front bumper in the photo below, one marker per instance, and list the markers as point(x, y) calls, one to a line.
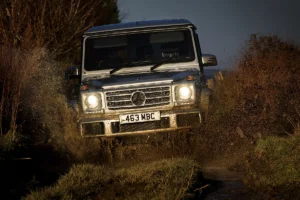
point(170, 121)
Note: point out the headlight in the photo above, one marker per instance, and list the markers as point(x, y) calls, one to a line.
point(92, 101)
point(184, 93)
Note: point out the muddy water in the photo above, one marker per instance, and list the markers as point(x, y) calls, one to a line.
point(224, 190)
point(223, 184)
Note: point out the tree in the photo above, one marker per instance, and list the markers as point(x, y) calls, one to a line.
point(54, 24)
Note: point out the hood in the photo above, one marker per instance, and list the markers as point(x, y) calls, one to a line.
point(119, 81)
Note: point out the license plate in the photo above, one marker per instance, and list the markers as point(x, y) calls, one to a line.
point(139, 117)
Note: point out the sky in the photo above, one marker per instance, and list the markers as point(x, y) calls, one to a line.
point(223, 26)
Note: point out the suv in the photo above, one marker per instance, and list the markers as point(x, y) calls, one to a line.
point(141, 77)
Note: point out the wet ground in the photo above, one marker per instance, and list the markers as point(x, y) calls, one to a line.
point(223, 184)
point(225, 190)
point(19, 176)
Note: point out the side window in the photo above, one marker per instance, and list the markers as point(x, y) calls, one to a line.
point(199, 54)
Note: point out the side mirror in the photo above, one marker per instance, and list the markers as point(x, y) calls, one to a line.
point(72, 72)
point(209, 60)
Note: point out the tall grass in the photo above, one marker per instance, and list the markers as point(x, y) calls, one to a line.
point(165, 179)
point(17, 67)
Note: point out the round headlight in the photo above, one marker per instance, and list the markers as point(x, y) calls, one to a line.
point(92, 101)
point(185, 93)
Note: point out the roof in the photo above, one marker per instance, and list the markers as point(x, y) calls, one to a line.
point(138, 24)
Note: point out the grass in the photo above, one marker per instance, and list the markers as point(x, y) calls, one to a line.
point(274, 167)
point(275, 161)
point(165, 179)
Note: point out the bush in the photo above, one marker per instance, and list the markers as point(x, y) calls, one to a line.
point(52, 120)
point(33, 106)
point(16, 69)
point(166, 179)
point(34, 36)
point(260, 95)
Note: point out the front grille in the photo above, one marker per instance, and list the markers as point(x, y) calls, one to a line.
point(154, 96)
point(164, 122)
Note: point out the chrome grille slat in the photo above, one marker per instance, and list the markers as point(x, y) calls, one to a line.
point(135, 107)
point(155, 96)
point(119, 101)
point(147, 98)
point(119, 95)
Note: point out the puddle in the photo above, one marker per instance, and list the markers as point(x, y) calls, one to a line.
point(224, 190)
point(223, 184)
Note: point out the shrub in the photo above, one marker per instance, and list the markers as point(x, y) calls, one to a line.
point(52, 120)
point(254, 99)
point(260, 94)
point(16, 69)
point(34, 35)
point(33, 107)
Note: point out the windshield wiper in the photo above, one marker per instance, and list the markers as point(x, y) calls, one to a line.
point(128, 64)
point(163, 62)
point(115, 69)
point(119, 68)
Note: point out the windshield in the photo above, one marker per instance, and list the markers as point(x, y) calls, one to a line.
point(137, 49)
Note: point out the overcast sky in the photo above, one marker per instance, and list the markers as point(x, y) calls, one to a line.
point(223, 25)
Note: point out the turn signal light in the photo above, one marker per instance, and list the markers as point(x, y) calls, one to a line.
point(84, 87)
point(190, 78)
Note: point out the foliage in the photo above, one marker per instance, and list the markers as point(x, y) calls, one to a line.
point(260, 95)
point(16, 68)
point(275, 160)
point(37, 40)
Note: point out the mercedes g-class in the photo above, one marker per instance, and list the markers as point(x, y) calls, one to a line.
point(141, 77)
